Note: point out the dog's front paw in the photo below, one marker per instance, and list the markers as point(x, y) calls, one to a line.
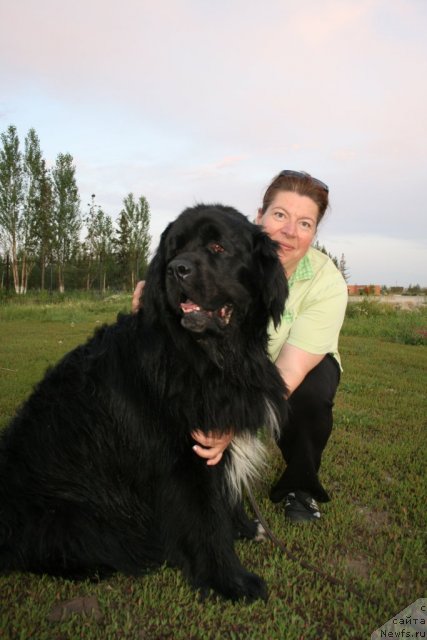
point(245, 586)
point(252, 530)
point(261, 533)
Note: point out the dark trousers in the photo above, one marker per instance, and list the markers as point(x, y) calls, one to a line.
point(307, 431)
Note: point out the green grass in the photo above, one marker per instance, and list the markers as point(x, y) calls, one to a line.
point(371, 534)
point(383, 320)
point(63, 308)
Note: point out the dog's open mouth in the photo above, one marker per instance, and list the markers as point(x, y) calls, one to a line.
point(198, 315)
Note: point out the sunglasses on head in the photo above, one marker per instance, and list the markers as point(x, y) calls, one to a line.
point(288, 173)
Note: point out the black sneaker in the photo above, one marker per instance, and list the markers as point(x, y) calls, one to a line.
point(301, 507)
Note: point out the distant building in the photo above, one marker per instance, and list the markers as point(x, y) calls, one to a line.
point(364, 289)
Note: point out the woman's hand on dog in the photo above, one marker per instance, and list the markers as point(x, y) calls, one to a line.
point(136, 298)
point(212, 446)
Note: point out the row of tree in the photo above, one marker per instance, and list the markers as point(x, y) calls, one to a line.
point(45, 238)
point(43, 230)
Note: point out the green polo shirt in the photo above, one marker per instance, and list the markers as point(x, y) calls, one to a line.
point(314, 310)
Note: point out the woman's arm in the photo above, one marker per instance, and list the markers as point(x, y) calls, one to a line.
point(294, 364)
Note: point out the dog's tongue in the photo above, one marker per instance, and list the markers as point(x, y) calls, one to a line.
point(189, 306)
point(224, 313)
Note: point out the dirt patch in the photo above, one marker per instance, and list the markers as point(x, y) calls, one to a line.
point(374, 520)
point(87, 606)
point(358, 565)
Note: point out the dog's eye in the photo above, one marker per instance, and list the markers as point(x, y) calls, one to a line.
point(215, 247)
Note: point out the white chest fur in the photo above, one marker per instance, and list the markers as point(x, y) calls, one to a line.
point(248, 455)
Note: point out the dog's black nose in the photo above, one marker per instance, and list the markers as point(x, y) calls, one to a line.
point(180, 268)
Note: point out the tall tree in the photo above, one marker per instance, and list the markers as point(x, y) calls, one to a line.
point(343, 268)
point(37, 210)
point(11, 198)
point(67, 219)
point(44, 231)
point(121, 243)
point(98, 243)
point(133, 238)
point(140, 238)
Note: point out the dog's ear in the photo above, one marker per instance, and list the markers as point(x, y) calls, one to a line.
point(273, 283)
point(153, 297)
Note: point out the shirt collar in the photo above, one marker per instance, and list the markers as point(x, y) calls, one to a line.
point(304, 270)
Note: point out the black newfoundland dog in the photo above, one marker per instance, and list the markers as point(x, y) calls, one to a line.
point(97, 471)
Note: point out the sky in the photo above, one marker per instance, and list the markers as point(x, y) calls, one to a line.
point(187, 101)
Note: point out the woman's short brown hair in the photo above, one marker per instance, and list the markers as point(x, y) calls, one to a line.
point(299, 182)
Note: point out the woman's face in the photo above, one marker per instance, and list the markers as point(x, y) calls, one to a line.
point(290, 220)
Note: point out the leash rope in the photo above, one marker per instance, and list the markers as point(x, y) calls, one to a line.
point(292, 556)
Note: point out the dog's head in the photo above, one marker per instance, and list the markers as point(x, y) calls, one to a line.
point(214, 271)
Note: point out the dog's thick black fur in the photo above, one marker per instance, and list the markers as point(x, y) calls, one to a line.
point(97, 471)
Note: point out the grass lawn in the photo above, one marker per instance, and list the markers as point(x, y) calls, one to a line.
point(371, 535)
